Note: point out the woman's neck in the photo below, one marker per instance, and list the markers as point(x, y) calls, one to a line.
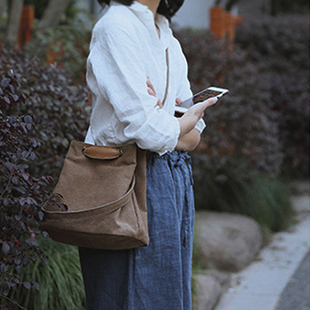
point(152, 5)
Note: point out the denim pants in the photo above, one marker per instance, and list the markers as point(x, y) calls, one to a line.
point(156, 277)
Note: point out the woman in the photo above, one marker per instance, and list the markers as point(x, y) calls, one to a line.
point(132, 54)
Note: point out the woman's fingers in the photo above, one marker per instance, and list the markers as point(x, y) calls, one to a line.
point(204, 105)
point(159, 103)
point(151, 91)
point(197, 110)
point(151, 87)
point(200, 107)
point(178, 101)
point(209, 102)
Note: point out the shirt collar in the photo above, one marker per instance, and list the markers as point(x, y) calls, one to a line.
point(139, 7)
point(145, 15)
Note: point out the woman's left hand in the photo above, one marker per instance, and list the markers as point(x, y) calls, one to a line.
point(151, 91)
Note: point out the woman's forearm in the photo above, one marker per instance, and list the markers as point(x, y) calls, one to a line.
point(189, 141)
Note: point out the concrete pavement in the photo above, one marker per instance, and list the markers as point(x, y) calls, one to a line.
point(263, 284)
point(297, 293)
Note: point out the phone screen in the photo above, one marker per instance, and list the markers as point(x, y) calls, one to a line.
point(202, 96)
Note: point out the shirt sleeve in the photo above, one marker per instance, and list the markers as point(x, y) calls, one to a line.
point(116, 70)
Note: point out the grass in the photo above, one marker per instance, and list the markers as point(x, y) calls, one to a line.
point(61, 284)
point(264, 199)
point(269, 204)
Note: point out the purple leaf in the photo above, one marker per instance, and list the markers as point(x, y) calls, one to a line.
point(5, 82)
point(17, 260)
point(10, 166)
point(36, 285)
point(41, 215)
point(2, 268)
point(12, 88)
point(5, 248)
point(15, 97)
point(27, 285)
point(28, 119)
point(33, 156)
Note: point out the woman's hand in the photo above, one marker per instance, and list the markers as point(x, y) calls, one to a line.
point(189, 120)
point(151, 91)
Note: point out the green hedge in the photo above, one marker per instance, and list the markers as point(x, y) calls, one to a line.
point(263, 124)
point(279, 48)
point(260, 130)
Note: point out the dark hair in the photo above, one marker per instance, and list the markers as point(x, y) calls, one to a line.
point(166, 7)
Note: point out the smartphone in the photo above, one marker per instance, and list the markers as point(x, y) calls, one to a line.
point(209, 92)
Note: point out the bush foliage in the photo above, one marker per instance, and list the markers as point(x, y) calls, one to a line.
point(264, 119)
point(60, 108)
point(22, 195)
point(41, 111)
point(260, 130)
point(242, 131)
point(281, 54)
point(67, 45)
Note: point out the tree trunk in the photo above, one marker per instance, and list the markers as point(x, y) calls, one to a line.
point(53, 13)
point(2, 7)
point(11, 37)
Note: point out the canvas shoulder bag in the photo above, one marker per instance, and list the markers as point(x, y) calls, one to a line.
point(103, 192)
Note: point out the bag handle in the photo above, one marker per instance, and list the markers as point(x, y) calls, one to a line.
point(101, 152)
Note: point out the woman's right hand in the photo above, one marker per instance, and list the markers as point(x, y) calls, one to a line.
point(189, 120)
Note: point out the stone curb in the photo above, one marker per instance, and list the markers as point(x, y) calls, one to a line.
point(259, 286)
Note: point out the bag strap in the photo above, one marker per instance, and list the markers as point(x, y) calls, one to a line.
point(167, 83)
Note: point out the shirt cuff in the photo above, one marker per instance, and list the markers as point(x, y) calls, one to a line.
point(201, 125)
point(171, 146)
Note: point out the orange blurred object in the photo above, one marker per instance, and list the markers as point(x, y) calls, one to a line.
point(223, 24)
point(217, 26)
point(26, 25)
point(55, 53)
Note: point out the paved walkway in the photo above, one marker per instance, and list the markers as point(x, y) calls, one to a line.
point(297, 293)
point(269, 283)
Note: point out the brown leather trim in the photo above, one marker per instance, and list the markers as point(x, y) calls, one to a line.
point(101, 152)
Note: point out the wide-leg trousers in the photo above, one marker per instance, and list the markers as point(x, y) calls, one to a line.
point(156, 277)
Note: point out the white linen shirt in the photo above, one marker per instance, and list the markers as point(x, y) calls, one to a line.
point(125, 49)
